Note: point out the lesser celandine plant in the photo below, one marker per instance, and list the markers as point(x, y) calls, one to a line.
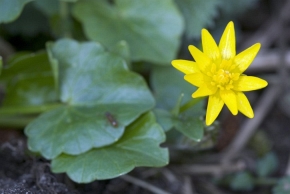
point(82, 98)
point(218, 73)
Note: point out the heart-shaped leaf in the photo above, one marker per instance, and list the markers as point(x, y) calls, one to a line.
point(267, 165)
point(29, 81)
point(282, 187)
point(190, 127)
point(101, 97)
point(242, 181)
point(164, 118)
point(139, 146)
point(151, 28)
point(11, 9)
point(198, 14)
point(167, 91)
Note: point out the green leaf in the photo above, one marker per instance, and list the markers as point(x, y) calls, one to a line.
point(242, 181)
point(71, 1)
point(96, 87)
point(167, 91)
point(27, 25)
point(29, 81)
point(235, 8)
point(198, 14)
point(139, 146)
point(282, 187)
point(49, 7)
point(11, 9)
point(190, 127)
point(122, 49)
point(267, 165)
point(261, 143)
point(164, 118)
point(1, 65)
point(151, 28)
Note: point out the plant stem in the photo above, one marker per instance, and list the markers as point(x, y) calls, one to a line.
point(266, 181)
point(8, 111)
point(15, 122)
point(190, 103)
point(65, 20)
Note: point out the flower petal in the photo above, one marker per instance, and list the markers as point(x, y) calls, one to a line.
point(227, 43)
point(230, 99)
point(243, 60)
point(185, 66)
point(209, 46)
point(244, 105)
point(196, 79)
point(214, 107)
point(204, 90)
point(201, 59)
point(249, 83)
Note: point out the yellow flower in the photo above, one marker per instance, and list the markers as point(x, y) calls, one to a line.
point(218, 73)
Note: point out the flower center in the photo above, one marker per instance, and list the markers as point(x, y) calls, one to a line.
point(222, 78)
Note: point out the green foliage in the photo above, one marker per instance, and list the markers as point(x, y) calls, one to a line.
point(28, 80)
point(92, 82)
point(242, 181)
point(11, 9)
point(151, 28)
point(1, 65)
point(283, 186)
point(197, 14)
point(169, 82)
point(139, 146)
point(235, 8)
point(192, 128)
point(87, 111)
point(267, 165)
point(164, 118)
point(27, 18)
point(48, 7)
point(261, 143)
point(188, 123)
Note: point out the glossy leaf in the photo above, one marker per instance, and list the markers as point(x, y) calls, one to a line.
point(49, 7)
point(267, 165)
point(29, 81)
point(122, 49)
point(190, 127)
point(235, 8)
point(151, 28)
point(282, 187)
point(27, 18)
point(198, 14)
point(96, 87)
point(139, 146)
point(164, 118)
point(167, 85)
point(242, 181)
point(11, 9)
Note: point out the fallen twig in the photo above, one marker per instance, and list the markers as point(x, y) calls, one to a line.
point(143, 184)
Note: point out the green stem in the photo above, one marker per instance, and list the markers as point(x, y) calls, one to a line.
point(266, 181)
point(176, 109)
point(15, 122)
point(7, 111)
point(190, 103)
point(65, 20)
